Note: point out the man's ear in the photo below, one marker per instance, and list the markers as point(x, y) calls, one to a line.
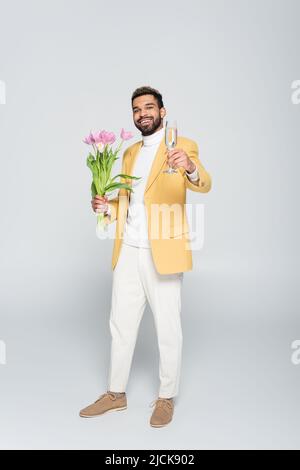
point(163, 112)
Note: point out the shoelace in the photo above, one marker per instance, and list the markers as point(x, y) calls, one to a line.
point(161, 402)
point(111, 394)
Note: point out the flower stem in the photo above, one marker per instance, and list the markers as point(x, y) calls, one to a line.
point(101, 225)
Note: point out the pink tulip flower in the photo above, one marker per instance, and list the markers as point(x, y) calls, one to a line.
point(90, 139)
point(125, 135)
point(107, 137)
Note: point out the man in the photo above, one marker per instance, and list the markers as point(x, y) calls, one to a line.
point(151, 252)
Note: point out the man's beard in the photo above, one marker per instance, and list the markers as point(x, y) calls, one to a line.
point(151, 127)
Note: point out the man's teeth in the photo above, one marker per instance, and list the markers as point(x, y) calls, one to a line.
point(146, 120)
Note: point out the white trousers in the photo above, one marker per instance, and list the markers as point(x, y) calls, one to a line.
point(135, 280)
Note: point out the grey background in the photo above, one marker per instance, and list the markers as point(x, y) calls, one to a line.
point(225, 69)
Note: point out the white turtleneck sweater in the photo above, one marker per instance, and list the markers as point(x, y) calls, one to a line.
point(136, 226)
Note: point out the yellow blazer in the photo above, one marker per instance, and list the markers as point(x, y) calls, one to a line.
point(164, 198)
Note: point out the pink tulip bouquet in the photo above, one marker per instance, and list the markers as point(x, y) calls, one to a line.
point(101, 161)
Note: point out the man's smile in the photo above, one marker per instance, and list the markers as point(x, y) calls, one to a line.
point(145, 121)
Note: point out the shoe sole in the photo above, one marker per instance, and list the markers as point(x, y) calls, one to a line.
point(159, 425)
point(108, 411)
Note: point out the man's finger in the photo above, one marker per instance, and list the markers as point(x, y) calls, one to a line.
point(177, 161)
point(173, 152)
point(175, 157)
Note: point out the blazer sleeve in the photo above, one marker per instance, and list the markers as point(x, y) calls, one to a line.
point(203, 184)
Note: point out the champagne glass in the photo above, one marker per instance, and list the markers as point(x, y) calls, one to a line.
point(170, 141)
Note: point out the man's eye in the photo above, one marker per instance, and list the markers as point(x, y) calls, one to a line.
point(150, 107)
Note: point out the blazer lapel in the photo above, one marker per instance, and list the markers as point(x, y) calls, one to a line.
point(158, 161)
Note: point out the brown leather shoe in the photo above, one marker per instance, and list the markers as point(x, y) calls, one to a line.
point(162, 413)
point(108, 401)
